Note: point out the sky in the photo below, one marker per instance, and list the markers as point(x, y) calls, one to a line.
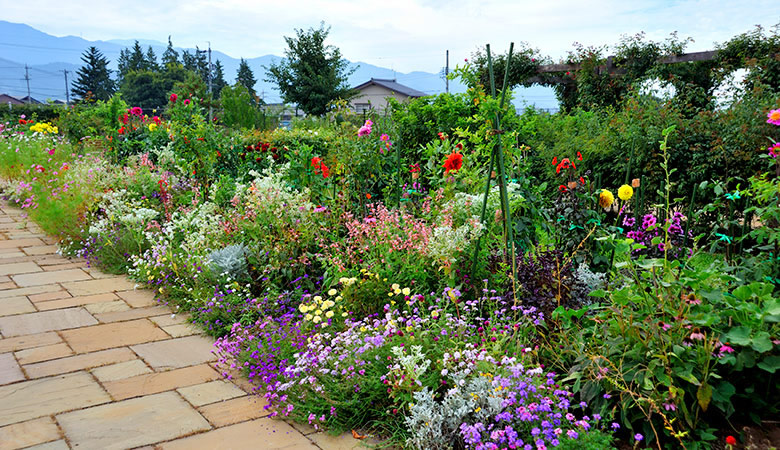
point(405, 35)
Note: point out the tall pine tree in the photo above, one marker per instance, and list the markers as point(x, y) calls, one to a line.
point(137, 59)
point(171, 56)
point(93, 79)
point(218, 78)
point(151, 60)
point(246, 78)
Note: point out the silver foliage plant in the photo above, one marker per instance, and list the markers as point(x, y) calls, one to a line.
point(230, 261)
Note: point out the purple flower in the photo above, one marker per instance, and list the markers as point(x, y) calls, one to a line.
point(638, 437)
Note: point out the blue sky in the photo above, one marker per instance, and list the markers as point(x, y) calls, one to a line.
point(405, 35)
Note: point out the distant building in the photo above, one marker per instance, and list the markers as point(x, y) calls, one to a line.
point(373, 94)
point(6, 99)
point(28, 99)
point(283, 113)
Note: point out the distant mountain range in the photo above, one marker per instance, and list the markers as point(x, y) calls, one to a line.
point(47, 56)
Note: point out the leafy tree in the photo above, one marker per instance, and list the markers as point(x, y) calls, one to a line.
point(196, 62)
point(150, 89)
point(93, 77)
point(239, 109)
point(246, 78)
point(171, 56)
point(218, 79)
point(312, 74)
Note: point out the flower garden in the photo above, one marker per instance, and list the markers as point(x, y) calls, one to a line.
point(448, 273)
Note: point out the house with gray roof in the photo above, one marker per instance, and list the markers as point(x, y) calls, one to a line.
point(373, 94)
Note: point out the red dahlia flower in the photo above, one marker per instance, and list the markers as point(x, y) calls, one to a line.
point(454, 162)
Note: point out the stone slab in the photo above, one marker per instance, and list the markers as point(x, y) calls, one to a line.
point(76, 301)
point(211, 392)
point(10, 371)
point(121, 370)
point(15, 305)
point(30, 290)
point(25, 434)
point(57, 276)
point(45, 353)
point(138, 298)
point(46, 296)
point(17, 268)
point(130, 314)
point(236, 410)
point(154, 383)
point(43, 397)
point(30, 341)
point(78, 362)
point(19, 243)
point(54, 445)
point(273, 434)
point(111, 335)
point(170, 319)
point(39, 322)
point(175, 353)
point(107, 307)
point(182, 329)
point(131, 423)
point(103, 285)
point(40, 250)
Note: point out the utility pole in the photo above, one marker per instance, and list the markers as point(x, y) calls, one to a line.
point(27, 78)
point(211, 95)
point(67, 91)
point(446, 73)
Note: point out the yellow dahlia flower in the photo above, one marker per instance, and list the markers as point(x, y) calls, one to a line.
point(606, 198)
point(625, 192)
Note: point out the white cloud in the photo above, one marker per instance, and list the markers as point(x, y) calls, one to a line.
point(406, 34)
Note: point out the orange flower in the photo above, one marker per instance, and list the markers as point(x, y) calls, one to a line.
point(368, 196)
point(454, 162)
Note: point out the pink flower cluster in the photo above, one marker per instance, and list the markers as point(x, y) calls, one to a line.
point(365, 130)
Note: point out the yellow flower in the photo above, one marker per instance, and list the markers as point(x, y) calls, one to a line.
point(318, 299)
point(625, 192)
point(332, 292)
point(318, 312)
point(329, 314)
point(407, 291)
point(317, 319)
point(152, 126)
point(302, 308)
point(395, 287)
point(308, 317)
point(606, 198)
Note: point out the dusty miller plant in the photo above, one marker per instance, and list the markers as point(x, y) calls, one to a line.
point(230, 260)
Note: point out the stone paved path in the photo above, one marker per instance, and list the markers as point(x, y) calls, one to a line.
point(88, 361)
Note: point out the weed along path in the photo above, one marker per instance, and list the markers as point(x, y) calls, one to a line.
point(87, 361)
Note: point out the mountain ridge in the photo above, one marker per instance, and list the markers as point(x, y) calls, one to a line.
point(47, 56)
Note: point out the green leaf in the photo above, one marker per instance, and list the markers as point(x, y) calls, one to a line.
point(743, 293)
point(761, 342)
point(704, 395)
point(770, 363)
point(738, 335)
point(600, 293)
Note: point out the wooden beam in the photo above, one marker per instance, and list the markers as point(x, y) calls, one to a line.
point(610, 66)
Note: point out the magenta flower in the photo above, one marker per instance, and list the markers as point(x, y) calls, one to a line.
point(136, 111)
point(365, 130)
point(773, 117)
point(725, 348)
point(774, 151)
point(186, 101)
point(384, 138)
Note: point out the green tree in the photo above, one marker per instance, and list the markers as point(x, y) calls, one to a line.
point(171, 56)
point(218, 78)
point(246, 78)
point(312, 74)
point(150, 89)
point(137, 59)
point(239, 109)
point(151, 60)
point(94, 77)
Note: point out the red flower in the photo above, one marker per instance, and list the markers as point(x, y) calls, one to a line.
point(316, 162)
point(325, 171)
point(173, 98)
point(459, 146)
point(218, 154)
point(22, 122)
point(368, 196)
point(555, 161)
point(582, 181)
point(579, 156)
point(563, 188)
point(442, 136)
point(731, 440)
point(124, 119)
point(121, 130)
point(454, 162)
